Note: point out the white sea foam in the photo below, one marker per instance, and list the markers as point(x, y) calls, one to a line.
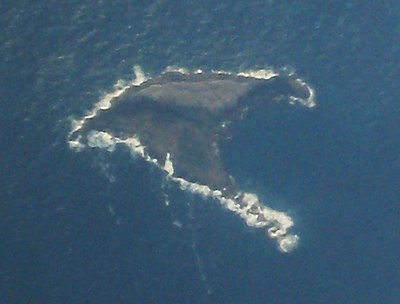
point(265, 74)
point(103, 104)
point(310, 102)
point(246, 205)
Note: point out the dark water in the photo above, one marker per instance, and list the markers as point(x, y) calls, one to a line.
point(70, 235)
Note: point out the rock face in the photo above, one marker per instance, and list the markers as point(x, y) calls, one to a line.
point(177, 120)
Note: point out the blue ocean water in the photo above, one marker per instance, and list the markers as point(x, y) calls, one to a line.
point(70, 234)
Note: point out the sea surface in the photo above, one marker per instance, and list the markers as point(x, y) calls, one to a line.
point(93, 227)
